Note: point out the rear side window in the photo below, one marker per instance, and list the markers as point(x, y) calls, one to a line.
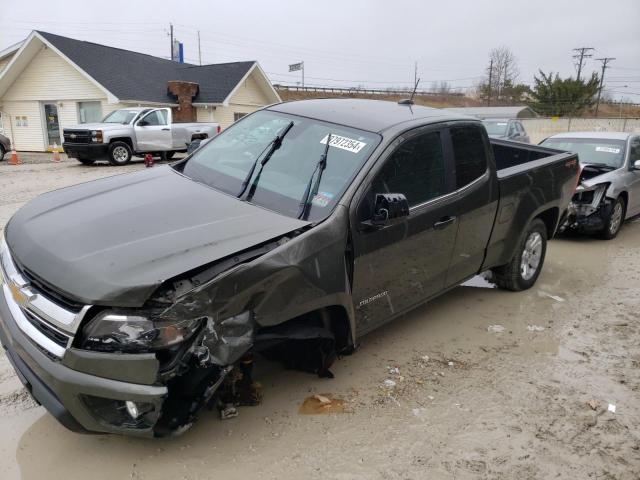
point(415, 169)
point(634, 153)
point(470, 154)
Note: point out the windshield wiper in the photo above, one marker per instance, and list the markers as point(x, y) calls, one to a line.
point(604, 166)
point(309, 194)
point(272, 146)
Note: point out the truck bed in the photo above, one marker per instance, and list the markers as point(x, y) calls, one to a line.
point(534, 182)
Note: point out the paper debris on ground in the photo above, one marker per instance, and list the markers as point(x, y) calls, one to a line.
point(495, 329)
point(321, 403)
point(553, 297)
point(594, 404)
point(612, 408)
point(535, 328)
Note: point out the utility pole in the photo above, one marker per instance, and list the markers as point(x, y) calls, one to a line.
point(581, 55)
point(490, 80)
point(415, 73)
point(199, 50)
point(302, 74)
point(604, 61)
point(171, 35)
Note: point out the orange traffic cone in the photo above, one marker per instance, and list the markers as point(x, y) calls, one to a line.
point(14, 158)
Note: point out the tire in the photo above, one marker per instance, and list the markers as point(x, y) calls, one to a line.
point(119, 153)
point(3, 152)
point(168, 155)
point(86, 161)
point(524, 268)
point(615, 219)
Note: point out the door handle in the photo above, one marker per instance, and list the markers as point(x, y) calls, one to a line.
point(166, 129)
point(443, 223)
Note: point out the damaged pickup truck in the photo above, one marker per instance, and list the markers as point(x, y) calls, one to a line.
point(131, 302)
point(609, 189)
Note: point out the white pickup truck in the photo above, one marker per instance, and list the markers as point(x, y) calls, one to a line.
point(133, 131)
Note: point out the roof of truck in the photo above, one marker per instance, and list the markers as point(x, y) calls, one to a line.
point(601, 135)
point(371, 115)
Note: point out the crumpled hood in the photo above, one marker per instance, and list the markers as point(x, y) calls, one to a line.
point(114, 241)
point(591, 176)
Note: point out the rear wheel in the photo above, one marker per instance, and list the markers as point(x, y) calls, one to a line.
point(524, 268)
point(119, 153)
point(2, 152)
point(615, 220)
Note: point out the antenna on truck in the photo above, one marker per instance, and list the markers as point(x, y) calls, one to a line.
point(409, 101)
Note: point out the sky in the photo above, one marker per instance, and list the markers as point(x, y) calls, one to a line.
point(350, 43)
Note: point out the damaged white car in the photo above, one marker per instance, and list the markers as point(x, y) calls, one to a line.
point(609, 188)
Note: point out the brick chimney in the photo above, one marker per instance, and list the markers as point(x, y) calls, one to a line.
point(184, 92)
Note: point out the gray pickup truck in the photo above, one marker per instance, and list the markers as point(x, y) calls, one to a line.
point(133, 131)
point(129, 303)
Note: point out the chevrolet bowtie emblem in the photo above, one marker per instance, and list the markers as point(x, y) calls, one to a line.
point(19, 297)
point(73, 135)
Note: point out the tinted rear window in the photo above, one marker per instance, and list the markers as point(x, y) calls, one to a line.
point(470, 154)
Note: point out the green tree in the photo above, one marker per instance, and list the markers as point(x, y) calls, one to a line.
point(555, 96)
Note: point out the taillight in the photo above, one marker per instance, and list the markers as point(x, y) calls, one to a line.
point(218, 129)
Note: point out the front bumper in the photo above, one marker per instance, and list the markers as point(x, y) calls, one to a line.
point(86, 150)
point(588, 220)
point(62, 390)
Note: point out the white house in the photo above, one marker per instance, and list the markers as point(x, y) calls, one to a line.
point(49, 82)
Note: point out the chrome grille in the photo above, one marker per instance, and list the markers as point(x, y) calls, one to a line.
point(77, 136)
point(49, 324)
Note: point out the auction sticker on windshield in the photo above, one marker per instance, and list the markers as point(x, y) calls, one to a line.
point(344, 143)
point(607, 149)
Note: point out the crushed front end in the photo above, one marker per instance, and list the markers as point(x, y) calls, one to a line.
point(142, 372)
point(590, 208)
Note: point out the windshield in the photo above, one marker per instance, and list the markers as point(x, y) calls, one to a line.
point(121, 116)
point(224, 162)
point(591, 150)
point(495, 127)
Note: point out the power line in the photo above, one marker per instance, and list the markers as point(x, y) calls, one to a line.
point(581, 55)
point(604, 61)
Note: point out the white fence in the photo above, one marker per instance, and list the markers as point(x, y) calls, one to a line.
point(541, 128)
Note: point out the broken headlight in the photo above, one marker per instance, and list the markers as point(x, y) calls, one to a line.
point(587, 200)
point(135, 331)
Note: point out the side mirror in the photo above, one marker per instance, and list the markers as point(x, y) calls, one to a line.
point(389, 208)
point(636, 165)
point(143, 123)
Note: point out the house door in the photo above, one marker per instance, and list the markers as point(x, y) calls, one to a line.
point(52, 125)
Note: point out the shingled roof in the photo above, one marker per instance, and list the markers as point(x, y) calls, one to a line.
point(137, 76)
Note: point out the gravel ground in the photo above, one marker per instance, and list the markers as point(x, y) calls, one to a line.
point(488, 385)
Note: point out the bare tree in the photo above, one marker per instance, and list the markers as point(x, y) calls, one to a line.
point(501, 74)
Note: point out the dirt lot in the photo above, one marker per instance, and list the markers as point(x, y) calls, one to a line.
point(469, 401)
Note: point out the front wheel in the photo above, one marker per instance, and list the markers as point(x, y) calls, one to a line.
point(524, 268)
point(119, 153)
point(614, 222)
point(2, 153)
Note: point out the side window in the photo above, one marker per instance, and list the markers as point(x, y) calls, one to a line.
point(157, 117)
point(634, 150)
point(520, 128)
point(415, 168)
point(513, 130)
point(470, 154)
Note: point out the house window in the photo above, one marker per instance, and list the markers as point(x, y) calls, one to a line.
point(89, 112)
point(21, 121)
point(238, 115)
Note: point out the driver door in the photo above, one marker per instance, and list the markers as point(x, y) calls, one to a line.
point(153, 131)
point(399, 265)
